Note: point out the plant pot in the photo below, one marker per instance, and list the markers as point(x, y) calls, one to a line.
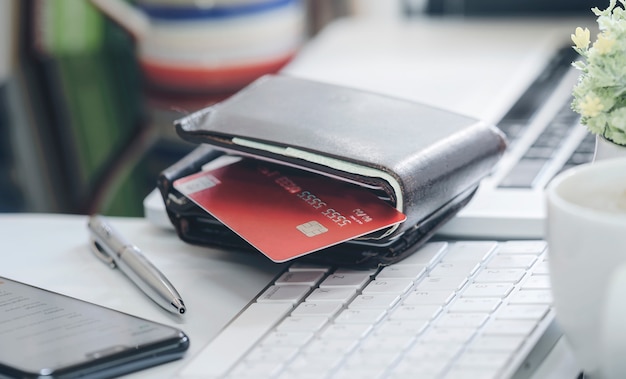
point(606, 149)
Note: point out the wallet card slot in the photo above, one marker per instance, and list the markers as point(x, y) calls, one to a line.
point(380, 187)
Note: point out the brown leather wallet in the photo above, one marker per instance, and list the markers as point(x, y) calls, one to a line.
point(426, 161)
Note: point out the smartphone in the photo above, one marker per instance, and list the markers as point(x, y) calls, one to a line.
point(44, 334)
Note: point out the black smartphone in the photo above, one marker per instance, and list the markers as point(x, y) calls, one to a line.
point(44, 334)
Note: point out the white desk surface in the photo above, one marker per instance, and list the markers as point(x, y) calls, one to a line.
point(52, 251)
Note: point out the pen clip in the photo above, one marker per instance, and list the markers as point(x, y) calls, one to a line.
point(102, 253)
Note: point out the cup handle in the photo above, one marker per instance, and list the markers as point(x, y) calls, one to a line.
point(132, 20)
point(613, 330)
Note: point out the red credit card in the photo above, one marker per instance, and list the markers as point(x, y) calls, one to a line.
point(286, 213)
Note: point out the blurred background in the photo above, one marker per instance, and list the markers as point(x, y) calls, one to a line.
point(89, 89)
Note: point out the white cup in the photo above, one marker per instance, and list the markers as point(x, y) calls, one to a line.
point(586, 234)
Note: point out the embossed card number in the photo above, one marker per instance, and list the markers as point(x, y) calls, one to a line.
point(286, 213)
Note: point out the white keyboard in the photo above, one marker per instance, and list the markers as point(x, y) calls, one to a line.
point(452, 310)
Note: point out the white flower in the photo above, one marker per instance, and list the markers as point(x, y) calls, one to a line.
point(603, 44)
point(581, 38)
point(590, 106)
point(600, 94)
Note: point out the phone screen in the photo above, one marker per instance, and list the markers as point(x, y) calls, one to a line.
point(46, 334)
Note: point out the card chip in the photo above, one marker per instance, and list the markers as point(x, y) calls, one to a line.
point(312, 228)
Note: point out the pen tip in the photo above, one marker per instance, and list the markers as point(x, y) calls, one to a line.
point(180, 306)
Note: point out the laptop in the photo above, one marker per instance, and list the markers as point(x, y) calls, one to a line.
point(514, 73)
point(454, 309)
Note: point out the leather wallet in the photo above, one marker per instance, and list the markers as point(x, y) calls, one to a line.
point(426, 162)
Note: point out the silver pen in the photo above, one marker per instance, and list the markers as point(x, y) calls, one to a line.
point(113, 250)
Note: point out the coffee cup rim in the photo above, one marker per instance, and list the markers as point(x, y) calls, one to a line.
point(606, 165)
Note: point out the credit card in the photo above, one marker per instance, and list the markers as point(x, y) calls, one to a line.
point(286, 213)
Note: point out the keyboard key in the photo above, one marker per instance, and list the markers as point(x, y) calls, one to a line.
point(474, 251)
point(522, 247)
point(523, 312)
point(372, 363)
point(290, 294)
point(388, 285)
point(499, 290)
point(338, 331)
point(408, 328)
point(275, 353)
point(325, 308)
point(330, 346)
point(500, 276)
point(420, 367)
point(255, 369)
point(309, 278)
point(351, 279)
point(537, 282)
point(428, 352)
point(375, 301)
point(437, 297)
point(523, 261)
point(510, 327)
point(287, 339)
point(313, 366)
point(361, 316)
point(340, 294)
point(452, 283)
point(407, 271)
point(542, 268)
point(394, 341)
point(302, 324)
point(448, 335)
point(497, 343)
point(465, 320)
point(456, 269)
point(427, 256)
point(475, 304)
point(413, 312)
point(542, 296)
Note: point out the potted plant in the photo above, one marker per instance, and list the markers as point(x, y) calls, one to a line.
point(600, 94)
